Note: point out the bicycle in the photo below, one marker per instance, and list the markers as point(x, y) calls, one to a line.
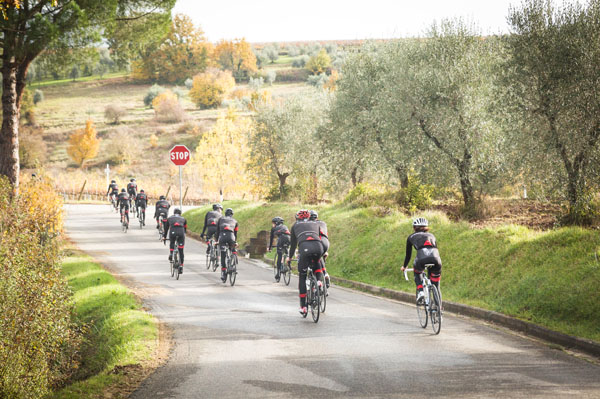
point(323, 290)
point(175, 264)
point(141, 218)
point(113, 203)
point(161, 226)
point(212, 258)
point(430, 306)
point(132, 206)
point(313, 296)
point(284, 271)
point(231, 260)
point(124, 221)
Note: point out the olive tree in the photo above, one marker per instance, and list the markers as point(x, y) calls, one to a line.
point(554, 77)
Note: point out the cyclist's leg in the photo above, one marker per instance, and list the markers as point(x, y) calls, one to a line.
point(418, 269)
point(171, 244)
point(302, 267)
point(180, 247)
point(435, 273)
point(165, 223)
point(127, 212)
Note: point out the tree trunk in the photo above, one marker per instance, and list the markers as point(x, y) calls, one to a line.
point(282, 178)
point(354, 176)
point(402, 175)
point(464, 170)
point(9, 134)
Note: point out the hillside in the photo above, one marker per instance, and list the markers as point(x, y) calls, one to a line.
point(545, 277)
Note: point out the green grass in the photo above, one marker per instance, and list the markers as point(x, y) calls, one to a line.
point(45, 83)
point(119, 333)
point(549, 278)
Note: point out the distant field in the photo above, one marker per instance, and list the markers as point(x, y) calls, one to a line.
point(67, 105)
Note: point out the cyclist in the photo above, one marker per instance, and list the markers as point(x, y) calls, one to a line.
point(325, 240)
point(427, 253)
point(123, 204)
point(307, 235)
point(282, 233)
point(132, 189)
point(113, 190)
point(141, 202)
point(210, 224)
point(176, 228)
point(227, 229)
point(161, 211)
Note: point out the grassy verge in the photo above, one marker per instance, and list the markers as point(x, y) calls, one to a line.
point(45, 83)
point(549, 278)
point(120, 337)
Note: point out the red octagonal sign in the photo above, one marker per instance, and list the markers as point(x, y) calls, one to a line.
point(180, 155)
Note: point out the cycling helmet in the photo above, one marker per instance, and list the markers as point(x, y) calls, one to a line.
point(313, 215)
point(177, 211)
point(277, 220)
point(217, 206)
point(162, 197)
point(229, 212)
point(420, 222)
point(132, 180)
point(122, 190)
point(302, 214)
point(141, 191)
point(112, 181)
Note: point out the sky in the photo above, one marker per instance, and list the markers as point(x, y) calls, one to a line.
point(284, 20)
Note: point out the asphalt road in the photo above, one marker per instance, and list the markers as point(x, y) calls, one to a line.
point(248, 341)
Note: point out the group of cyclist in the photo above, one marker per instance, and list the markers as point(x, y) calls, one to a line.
point(308, 235)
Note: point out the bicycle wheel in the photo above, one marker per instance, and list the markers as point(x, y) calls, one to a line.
point(435, 308)
point(275, 267)
point(172, 269)
point(233, 273)
point(314, 303)
point(323, 294)
point(422, 313)
point(215, 257)
point(286, 274)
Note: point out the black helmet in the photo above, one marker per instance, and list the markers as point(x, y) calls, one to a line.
point(162, 197)
point(313, 215)
point(122, 190)
point(228, 212)
point(112, 181)
point(177, 211)
point(141, 191)
point(217, 206)
point(277, 220)
point(132, 179)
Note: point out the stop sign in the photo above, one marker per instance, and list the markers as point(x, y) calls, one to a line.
point(180, 155)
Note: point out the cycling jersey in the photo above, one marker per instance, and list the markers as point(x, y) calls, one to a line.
point(123, 200)
point(161, 207)
point(132, 188)
point(303, 231)
point(227, 226)
point(283, 236)
point(426, 246)
point(176, 229)
point(210, 222)
point(112, 188)
point(141, 200)
point(307, 235)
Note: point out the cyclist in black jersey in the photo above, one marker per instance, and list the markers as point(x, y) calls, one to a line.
point(113, 190)
point(176, 229)
point(282, 233)
point(161, 211)
point(211, 220)
point(427, 253)
point(123, 204)
point(325, 240)
point(141, 202)
point(227, 231)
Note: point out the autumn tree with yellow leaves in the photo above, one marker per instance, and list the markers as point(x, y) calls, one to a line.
point(83, 144)
point(209, 88)
point(224, 155)
point(236, 56)
point(183, 52)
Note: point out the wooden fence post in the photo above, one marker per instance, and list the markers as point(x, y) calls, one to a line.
point(81, 191)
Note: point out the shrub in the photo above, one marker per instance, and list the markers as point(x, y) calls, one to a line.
point(32, 148)
point(317, 80)
point(270, 77)
point(38, 97)
point(123, 148)
point(293, 51)
point(153, 91)
point(319, 63)
point(189, 83)
point(258, 99)
point(415, 196)
point(256, 83)
point(239, 93)
point(585, 212)
point(114, 113)
point(272, 53)
point(301, 61)
point(153, 141)
point(210, 88)
point(38, 339)
point(292, 75)
point(167, 108)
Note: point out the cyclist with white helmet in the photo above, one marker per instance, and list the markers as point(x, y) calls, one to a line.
point(427, 253)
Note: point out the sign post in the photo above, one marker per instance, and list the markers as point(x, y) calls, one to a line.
point(180, 155)
point(107, 170)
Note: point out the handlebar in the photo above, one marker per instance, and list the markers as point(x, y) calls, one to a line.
point(405, 273)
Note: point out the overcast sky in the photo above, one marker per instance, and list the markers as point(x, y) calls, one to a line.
point(285, 20)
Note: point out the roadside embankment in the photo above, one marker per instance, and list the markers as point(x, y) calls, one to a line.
point(121, 340)
point(549, 278)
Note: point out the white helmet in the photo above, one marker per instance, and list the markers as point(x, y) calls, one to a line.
point(420, 222)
